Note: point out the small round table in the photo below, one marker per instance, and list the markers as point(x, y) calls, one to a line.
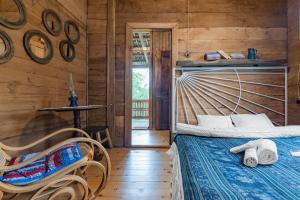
point(76, 111)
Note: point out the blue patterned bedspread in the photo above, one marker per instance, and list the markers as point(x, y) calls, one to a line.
point(209, 171)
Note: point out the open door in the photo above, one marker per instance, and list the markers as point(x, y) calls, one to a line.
point(162, 66)
point(149, 60)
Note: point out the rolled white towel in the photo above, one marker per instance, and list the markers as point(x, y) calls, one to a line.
point(295, 153)
point(250, 158)
point(267, 152)
point(246, 146)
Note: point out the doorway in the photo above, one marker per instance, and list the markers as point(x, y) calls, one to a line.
point(149, 66)
point(141, 84)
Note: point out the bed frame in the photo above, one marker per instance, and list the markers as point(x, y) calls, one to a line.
point(229, 90)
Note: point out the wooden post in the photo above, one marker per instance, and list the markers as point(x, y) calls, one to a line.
point(111, 6)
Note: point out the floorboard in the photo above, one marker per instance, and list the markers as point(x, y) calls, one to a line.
point(143, 174)
point(150, 138)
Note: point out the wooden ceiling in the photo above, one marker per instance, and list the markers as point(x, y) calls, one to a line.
point(141, 51)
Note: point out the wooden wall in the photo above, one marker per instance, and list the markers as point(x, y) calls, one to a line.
point(293, 58)
point(101, 59)
point(231, 25)
point(27, 86)
point(97, 59)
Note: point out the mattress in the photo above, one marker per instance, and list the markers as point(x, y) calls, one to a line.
point(210, 172)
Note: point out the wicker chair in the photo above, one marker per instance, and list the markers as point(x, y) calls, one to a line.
point(65, 181)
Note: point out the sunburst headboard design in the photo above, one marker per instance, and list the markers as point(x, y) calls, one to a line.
point(229, 90)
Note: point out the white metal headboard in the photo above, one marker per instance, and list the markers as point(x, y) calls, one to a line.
point(229, 90)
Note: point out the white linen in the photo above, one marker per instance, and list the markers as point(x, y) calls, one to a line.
point(259, 121)
point(214, 121)
point(282, 131)
point(250, 157)
point(267, 152)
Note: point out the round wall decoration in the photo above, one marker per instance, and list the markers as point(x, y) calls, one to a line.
point(38, 46)
point(19, 20)
point(67, 50)
point(52, 22)
point(6, 47)
point(72, 32)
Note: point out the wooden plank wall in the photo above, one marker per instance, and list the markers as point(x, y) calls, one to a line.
point(97, 59)
point(101, 61)
point(27, 86)
point(293, 58)
point(231, 25)
point(78, 8)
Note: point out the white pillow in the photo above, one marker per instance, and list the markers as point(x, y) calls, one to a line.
point(213, 121)
point(259, 121)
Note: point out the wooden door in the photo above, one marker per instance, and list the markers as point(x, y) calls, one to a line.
point(162, 66)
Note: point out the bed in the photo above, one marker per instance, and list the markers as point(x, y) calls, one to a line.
point(207, 170)
point(203, 167)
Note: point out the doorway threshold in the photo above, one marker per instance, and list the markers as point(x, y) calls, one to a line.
point(150, 138)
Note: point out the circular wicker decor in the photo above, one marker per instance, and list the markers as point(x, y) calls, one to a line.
point(6, 47)
point(72, 32)
point(67, 50)
point(38, 46)
point(52, 22)
point(21, 20)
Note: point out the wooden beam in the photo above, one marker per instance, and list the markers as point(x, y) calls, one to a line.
point(111, 51)
point(144, 48)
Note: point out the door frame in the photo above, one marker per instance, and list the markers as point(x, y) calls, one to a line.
point(128, 75)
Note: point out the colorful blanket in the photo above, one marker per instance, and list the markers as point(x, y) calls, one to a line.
point(43, 167)
point(210, 172)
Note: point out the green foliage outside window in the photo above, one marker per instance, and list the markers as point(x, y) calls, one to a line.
point(140, 87)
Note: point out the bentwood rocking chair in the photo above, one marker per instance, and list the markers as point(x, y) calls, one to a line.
point(56, 171)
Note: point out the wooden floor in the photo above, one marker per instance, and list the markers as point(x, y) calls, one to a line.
point(137, 174)
point(142, 174)
point(150, 138)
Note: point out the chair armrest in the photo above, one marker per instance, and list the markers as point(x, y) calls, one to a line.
point(56, 133)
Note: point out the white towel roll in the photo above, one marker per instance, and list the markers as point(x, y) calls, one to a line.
point(295, 153)
point(248, 145)
point(267, 152)
point(250, 158)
